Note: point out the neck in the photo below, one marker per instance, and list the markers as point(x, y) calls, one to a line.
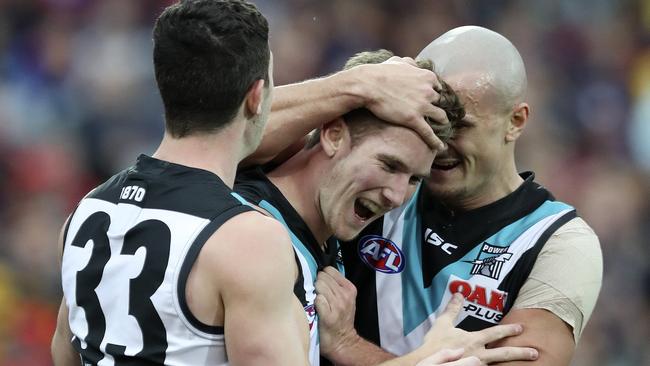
point(297, 179)
point(214, 152)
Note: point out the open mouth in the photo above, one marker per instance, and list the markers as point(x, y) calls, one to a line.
point(445, 164)
point(365, 209)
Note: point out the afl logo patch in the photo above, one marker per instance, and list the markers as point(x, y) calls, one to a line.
point(381, 254)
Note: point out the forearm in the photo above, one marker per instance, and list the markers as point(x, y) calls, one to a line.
point(544, 331)
point(360, 352)
point(62, 352)
point(299, 108)
point(364, 353)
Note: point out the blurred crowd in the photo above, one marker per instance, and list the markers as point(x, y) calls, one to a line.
point(78, 102)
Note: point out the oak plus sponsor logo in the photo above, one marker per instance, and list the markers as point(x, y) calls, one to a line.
point(381, 254)
point(480, 302)
point(489, 261)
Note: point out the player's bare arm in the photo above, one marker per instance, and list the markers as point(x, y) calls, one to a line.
point(341, 343)
point(551, 336)
point(395, 91)
point(63, 354)
point(573, 246)
point(263, 321)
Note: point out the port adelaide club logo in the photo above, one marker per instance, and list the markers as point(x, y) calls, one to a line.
point(381, 254)
point(489, 261)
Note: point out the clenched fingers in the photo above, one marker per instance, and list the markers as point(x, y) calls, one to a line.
point(326, 286)
point(338, 292)
point(322, 306)
point(435, 114)
point(339, 279)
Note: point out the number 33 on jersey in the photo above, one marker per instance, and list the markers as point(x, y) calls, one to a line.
point(128, 251)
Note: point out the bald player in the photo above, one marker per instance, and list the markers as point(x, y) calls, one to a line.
point(476, 226)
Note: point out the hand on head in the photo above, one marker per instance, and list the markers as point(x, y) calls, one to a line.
point(402, 93)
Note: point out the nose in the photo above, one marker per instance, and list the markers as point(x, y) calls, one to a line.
point(396, 190)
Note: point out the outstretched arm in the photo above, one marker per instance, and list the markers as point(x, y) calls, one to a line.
point(340, 343)
point(396, 91)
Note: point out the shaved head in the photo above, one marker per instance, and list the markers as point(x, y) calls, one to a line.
point(487, 61)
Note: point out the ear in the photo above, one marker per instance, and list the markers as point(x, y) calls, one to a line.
point(517, 122)
point(333, 136)
point(254, 98)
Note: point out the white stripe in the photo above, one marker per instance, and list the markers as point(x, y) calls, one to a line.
point(310, 298)
point(389, 288)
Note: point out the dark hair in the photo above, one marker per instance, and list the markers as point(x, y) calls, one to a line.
point(207, 54)
point(361, 121)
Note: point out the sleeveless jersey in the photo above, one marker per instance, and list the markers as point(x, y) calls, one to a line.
point(407, 265)
point(128, 250)
point(255, 187)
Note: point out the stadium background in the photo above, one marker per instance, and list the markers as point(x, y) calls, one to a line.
point(78, 102)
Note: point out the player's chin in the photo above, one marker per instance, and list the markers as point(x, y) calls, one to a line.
point(348, 233)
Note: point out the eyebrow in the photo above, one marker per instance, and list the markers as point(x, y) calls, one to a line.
point(400, 165)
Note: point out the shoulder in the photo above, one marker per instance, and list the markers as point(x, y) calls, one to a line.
point(575, 241)
point(251, 230)
point(248, 244)
point(571, 255)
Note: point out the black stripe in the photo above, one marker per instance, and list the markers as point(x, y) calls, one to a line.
point(366, 320)
point(190, 258)
point(519, 274)
point(299, 285)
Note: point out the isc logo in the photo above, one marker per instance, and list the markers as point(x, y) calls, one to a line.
point(381, 254)
point(435, 239)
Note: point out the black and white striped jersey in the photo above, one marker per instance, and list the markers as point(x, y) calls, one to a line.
point(128, 250)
